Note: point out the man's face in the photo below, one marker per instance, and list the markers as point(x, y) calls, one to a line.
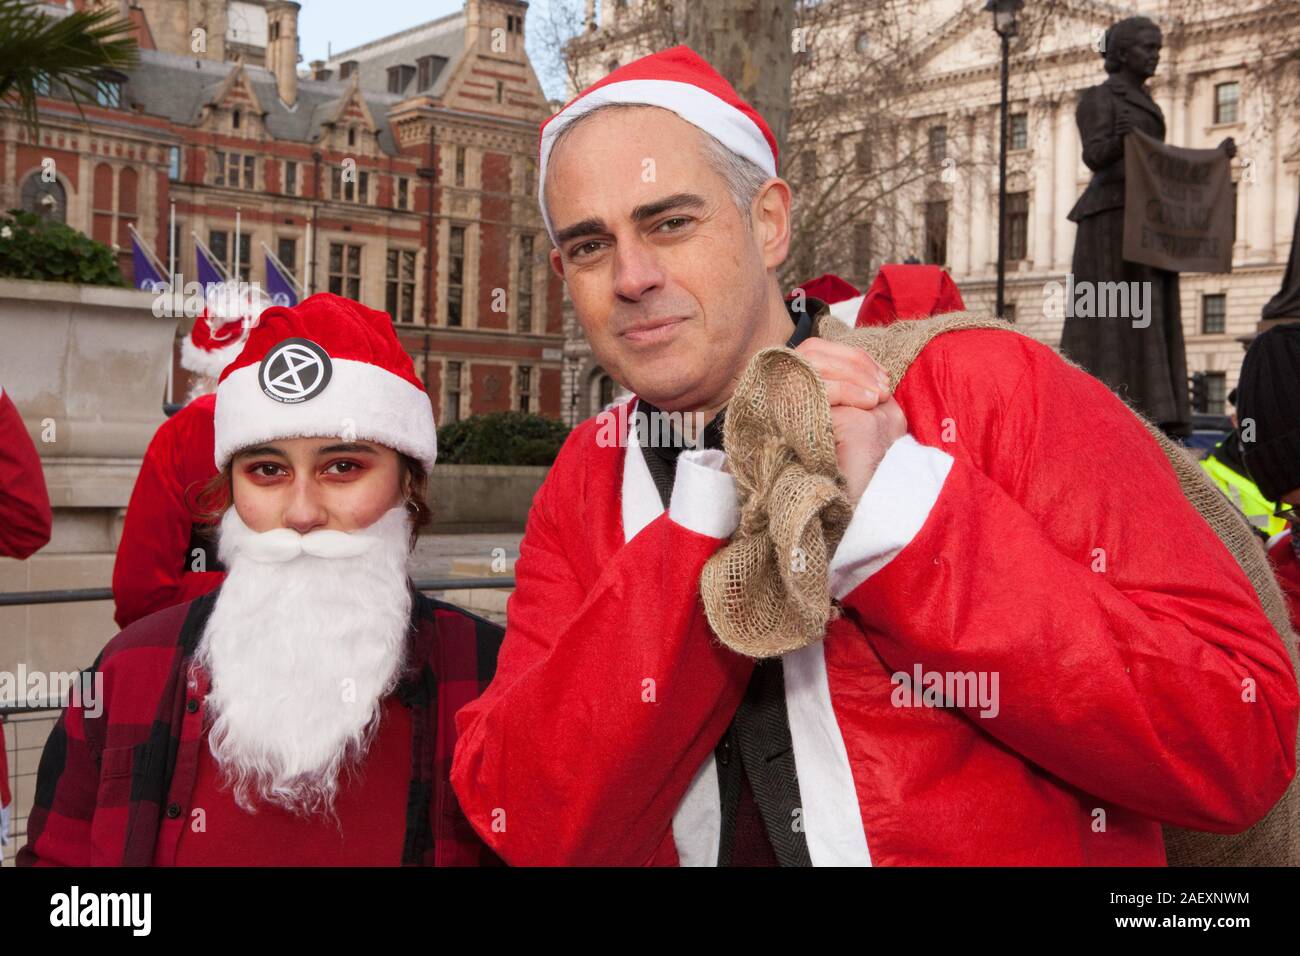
point(310, 484)
point(668, 278)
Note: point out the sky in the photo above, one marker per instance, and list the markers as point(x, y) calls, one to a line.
point(325, 25)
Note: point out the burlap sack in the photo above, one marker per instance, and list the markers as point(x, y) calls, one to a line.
point(767, 592)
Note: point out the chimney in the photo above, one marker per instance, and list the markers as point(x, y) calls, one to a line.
point(282, 47)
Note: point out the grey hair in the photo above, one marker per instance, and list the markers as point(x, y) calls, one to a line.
point(744, 177)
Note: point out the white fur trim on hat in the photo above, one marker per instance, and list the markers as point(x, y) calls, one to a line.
point(209, 362)
point(728, 125)
point(361, 402)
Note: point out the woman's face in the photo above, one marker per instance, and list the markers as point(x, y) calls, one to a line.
point(1143, 53)
point(309, 484)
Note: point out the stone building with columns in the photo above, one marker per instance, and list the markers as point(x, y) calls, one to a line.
point(400, 173)
point(1209, 84)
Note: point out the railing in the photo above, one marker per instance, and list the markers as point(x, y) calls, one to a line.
point(28, 726)
point(72, 595)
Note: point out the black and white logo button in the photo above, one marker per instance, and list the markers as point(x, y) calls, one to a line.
point(294, 371)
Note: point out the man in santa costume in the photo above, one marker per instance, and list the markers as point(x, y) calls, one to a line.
point(302, 713)
point(1004, 502)
point(166, 555)
point(1268, 398)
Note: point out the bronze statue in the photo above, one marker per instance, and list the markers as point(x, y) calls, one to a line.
point(1145, 362)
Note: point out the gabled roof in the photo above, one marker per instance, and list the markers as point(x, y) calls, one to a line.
point(178, 87)
point(443, 39)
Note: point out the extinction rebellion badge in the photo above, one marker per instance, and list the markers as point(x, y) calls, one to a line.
point(294, 371)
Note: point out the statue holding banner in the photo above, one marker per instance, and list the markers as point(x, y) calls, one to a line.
point(1140, 356)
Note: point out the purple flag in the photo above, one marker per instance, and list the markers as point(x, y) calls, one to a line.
point(209, 273)
point(147, 275)
point(279, 285)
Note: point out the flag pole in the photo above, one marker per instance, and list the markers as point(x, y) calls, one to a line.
point(284, 270)
point(198, 244)
point(171, 291)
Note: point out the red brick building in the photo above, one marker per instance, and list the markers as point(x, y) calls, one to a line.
point(402, 173)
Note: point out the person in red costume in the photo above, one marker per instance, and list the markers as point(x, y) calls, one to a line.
point(897, 292)
point(6, 797)
point(165, 556)
point(25, 524)
point(301, 714)
point(620, 731)
point(25, 516)
point(1268, 415)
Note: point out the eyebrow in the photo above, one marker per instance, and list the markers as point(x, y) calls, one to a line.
point(640, 213)
point(262, 450)
point(325, 450)
point(347, 446)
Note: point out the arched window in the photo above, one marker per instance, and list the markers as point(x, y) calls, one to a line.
point(234, 119)
point(101, 229)
point(48, 200)
point(127, 181)
point(352, 136)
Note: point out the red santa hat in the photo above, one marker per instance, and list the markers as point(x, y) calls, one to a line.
point(909, 292)
point(325, 367)
point(680, 81)
point(829, 288)
point(219, 333)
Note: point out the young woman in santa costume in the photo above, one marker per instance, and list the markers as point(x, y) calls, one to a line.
point(1006, 509)
point(302, 713)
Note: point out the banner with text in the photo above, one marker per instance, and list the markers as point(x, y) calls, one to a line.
point(1178, 209)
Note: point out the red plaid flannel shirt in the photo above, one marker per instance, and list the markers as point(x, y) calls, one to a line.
point(114, 789)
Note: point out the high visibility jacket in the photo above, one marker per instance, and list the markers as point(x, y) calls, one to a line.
point(1243, 493)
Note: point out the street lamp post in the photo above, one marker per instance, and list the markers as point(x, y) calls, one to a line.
point(1006, 26)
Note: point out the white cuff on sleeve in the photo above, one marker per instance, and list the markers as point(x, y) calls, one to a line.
point(890, 512)
point(704, 496)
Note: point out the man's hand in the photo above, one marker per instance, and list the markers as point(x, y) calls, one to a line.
point(864, 415)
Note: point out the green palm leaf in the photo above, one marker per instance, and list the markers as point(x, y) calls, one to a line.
point(39, 51)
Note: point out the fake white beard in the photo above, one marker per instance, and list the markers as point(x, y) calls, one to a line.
point(306, 639)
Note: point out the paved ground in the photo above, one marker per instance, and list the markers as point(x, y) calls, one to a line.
point(435, 552)
point(434, 556)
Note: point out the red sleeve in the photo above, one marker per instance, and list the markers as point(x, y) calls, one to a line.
point(1134, 659)
point(25, 517)
point(67, 781)
point(149, 571)
point(563, 760)
point(1286, 567)
point(5, 795)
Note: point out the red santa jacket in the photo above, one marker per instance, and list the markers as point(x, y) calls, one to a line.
point(1286, 568)
point(1008, 534)
point(152, 569)
point(25, 517)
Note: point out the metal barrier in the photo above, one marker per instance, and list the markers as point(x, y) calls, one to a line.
point(72, 595)
point(28, 726)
